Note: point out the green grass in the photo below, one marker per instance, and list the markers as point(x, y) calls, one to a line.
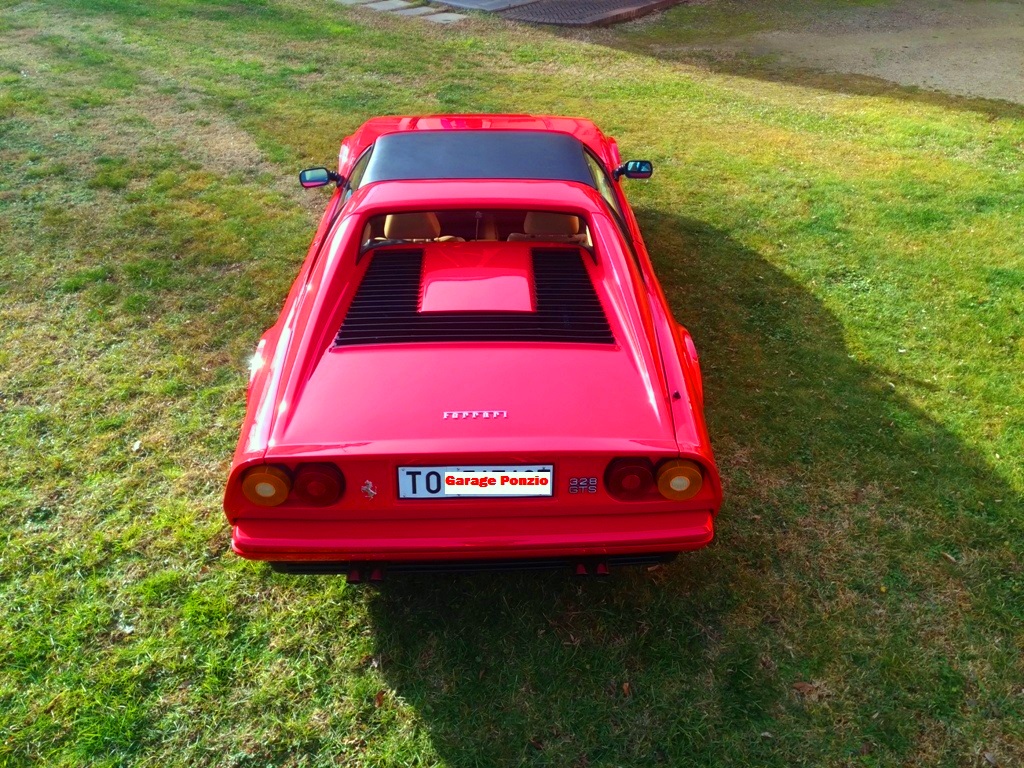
point(851, 266)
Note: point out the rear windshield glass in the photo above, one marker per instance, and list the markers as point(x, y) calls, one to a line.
point(478, 155)
point(476, 225)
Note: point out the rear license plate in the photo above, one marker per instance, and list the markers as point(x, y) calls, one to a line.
point(453, 482)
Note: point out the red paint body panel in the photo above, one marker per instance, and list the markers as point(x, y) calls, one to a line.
point(477, 277)
point(373, 408)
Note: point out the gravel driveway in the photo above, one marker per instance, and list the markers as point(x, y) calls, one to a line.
point(963, 48)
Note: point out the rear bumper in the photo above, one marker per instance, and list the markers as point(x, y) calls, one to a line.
point(442, 540)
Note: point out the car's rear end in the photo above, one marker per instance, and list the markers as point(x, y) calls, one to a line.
point(394, 512)
point(418, 386)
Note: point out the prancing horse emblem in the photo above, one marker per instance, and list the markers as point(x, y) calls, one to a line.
point(368, 490)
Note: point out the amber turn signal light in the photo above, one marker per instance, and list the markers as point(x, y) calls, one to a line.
point(266, 485)
point(679, 479)
point(319, 484)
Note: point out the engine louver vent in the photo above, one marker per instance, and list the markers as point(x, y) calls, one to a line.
point(385, 307)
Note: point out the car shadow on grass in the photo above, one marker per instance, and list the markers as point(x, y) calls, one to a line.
point(826, 624)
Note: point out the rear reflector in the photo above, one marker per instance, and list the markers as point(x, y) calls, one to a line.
point(266, 486)
point(318, 484)
point(679, 479)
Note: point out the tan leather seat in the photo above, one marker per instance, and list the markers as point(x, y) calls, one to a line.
point(552, 227)
point(416, 228)
point(412, 226)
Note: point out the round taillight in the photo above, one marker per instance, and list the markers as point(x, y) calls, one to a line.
point(629, 478)
point(319, 484)
point(266, 485)
point(679, 479)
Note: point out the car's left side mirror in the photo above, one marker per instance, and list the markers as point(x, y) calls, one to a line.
point(317, 177)
point(635, 169)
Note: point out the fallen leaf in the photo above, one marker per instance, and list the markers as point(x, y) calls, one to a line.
point(991, 759)
point(627, 690)
point(810, 691)
point(949, 557)
point(379, 699)
point(537, 744)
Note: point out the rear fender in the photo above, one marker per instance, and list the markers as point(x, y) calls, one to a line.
point(257, 367)
point(691, 361)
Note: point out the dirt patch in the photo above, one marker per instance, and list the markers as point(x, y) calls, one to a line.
point(210, 139)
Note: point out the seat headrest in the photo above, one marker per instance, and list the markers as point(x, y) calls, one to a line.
point(544, 223)
point(411, 226)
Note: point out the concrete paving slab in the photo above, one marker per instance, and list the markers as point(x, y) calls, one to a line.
point(445, 18)
point(486, 5)
point(421, 10)
point(389, 5)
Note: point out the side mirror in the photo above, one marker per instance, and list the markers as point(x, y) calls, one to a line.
point(635, 169)
point(317, 177)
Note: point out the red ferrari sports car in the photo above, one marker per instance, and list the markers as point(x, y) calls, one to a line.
point(476, 366)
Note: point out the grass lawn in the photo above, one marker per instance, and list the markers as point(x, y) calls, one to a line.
point(850, 263)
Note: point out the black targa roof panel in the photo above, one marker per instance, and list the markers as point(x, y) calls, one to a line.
point(478, 155)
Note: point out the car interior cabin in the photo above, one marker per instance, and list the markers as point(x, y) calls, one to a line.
point(466, 226)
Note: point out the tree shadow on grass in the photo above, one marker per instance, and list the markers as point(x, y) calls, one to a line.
point(828, 570)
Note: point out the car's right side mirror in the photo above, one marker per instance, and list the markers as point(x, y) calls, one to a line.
point(317, 177)
point(635, 169)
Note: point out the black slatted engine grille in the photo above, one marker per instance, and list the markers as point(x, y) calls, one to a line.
point(385, 308)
